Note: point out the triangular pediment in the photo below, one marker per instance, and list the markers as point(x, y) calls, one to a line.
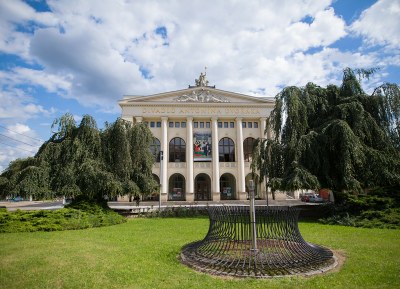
point(192, 95)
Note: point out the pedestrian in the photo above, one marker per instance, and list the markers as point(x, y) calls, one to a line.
point(137, 199)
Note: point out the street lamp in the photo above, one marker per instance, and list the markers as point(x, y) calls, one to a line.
point(265, 178)
point(265, 172)
point(253, 230)
point(161, 178)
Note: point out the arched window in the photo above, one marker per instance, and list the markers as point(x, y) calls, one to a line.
point(248, 144)
point(176, 186)
point(226, 150)
point(155, 149)
point(177, 150)
point(227, 186)
point(202, 187)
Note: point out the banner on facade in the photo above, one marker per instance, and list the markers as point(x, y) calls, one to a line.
point(202, 147)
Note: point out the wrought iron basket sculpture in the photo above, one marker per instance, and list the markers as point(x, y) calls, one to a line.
point(279, 248)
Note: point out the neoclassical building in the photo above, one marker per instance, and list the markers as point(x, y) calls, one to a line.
point(204, 136)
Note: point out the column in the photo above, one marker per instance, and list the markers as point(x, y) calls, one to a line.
point(189, 160)
point(262, 127)
point(241, 190)
point(164, 148)
point(215, 156)
point(263, 135)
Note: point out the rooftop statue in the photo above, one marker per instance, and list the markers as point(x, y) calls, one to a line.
point(202, 81)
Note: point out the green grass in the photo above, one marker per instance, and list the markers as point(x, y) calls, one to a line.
point(142, 253)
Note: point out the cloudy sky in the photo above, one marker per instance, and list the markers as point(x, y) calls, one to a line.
point(81, 56)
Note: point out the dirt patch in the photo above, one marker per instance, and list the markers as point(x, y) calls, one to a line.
point(340, 259)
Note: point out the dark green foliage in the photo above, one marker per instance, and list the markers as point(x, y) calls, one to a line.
point(177, 212)
point(379, 208)
point(335, 137)
point(81, 216)
point(82, 160)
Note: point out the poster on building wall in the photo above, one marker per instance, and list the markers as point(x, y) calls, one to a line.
point(202, 147)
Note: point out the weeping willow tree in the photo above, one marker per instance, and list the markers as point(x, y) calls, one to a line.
point(335, 137)
point(82, 160)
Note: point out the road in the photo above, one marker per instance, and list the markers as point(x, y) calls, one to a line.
point(53, 205)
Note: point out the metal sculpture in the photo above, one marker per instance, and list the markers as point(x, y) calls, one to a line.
point(278, 249)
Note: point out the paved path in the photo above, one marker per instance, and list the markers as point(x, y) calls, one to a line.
point(52, 205)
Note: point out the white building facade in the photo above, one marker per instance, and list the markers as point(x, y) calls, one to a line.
point(206, 137)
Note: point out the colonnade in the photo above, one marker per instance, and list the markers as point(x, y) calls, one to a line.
point(215, 182)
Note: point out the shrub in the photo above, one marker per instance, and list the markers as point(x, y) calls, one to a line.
point(89, 215)
point(174, 212)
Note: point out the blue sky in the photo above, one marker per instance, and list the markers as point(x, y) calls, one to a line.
point(81, 57)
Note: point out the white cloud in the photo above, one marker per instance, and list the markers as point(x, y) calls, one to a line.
point(97, 51)
point(18, 106)
point(380, 24)
point(14, 16)
point(17, 141)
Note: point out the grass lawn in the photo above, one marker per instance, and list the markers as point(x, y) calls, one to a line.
point(142, 253)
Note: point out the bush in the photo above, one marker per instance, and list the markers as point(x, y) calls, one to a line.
point(389, 218)
point(174, 212)
point(380, 208)
point(81, 215)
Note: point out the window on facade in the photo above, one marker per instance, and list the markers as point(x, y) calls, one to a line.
point(226, 150)
point(171, 124)
point(201, 124)
point(195, 124)
point(243, 124)
point(225, 124)
point(248, 148)
point(176, 190)
point(155, 148)
point(219, 124)
point(208, 124)
point(255, 124)
point(232, 124)
point(158, 123)
point(227, 186)
point(250, 124)
point(183, 124)
point(177, 150)
point(152, 124)
point(177, 124)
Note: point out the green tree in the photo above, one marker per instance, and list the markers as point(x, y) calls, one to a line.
point(82, 160)
point(140, 138)
point(334, 137)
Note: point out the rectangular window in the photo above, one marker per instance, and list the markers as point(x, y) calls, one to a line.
point(152, 124)
point(255, 124)
point(250, 124)
point(171, 124)
point(232, 124)
point(195, 124)
point(158, 123)
point(225, 124)
point(208, 124)
point(183, 124)
point(177, 124)
point(220, 124)
point(243, 124)
point(201, 124)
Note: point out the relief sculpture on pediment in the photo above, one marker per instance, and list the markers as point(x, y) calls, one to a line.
point(201, 96)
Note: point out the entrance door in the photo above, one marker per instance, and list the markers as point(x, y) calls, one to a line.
point(202, 189)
